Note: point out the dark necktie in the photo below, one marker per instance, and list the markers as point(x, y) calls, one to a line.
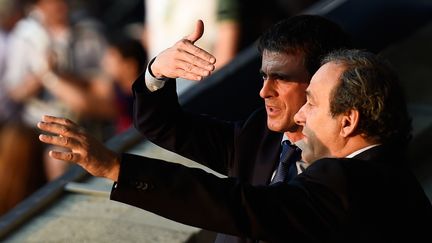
point(287, 164)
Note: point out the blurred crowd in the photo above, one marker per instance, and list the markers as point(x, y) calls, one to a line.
point(56, 59)
point(78, 59)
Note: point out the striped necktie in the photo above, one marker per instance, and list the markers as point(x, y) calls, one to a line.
point(287, 164)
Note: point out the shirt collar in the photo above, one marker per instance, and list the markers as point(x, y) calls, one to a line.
point(285, 138)
point(361, 150)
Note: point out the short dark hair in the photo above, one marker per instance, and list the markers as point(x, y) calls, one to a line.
point(312, 35)
point(128, 47)
point(368, 84)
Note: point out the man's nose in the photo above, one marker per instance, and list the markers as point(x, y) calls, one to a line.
point(267, 89)
point(299, 117)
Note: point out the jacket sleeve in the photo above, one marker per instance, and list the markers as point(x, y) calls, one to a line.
point(194, 197)
point(160, 118)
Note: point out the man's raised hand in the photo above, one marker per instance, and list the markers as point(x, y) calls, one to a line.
point(184, 59)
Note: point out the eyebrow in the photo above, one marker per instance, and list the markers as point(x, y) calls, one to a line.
point(280, 75)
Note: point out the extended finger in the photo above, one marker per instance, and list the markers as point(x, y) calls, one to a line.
point(66, 156)
point(187, 46)
point(186, 75)
point(197, 61)
point(198, 32)
point(59, 120)
point(61, 141)
point(192, 69)
point(59, 129)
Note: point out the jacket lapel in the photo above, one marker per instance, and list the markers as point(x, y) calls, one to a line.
point(267, 159)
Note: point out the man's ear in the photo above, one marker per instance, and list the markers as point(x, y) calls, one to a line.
point(349, 122)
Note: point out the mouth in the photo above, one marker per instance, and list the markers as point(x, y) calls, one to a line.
point(272, 110)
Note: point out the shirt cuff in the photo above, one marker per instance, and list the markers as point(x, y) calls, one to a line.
point(151, 81)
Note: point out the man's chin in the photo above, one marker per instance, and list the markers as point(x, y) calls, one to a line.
point(278, 127)
point(272, 126)
point(304, 148)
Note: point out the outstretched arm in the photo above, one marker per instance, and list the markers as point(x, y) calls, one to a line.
point(230, 206)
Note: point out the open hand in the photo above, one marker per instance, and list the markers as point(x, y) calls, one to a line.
point(184, 59)
point(84, 150)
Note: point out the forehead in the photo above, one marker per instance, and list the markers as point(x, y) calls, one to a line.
point(325, 80)
point(282, 61)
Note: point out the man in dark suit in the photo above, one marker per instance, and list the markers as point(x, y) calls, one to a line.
point(357, 187)
point(248, 150)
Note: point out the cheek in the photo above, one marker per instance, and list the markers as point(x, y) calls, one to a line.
point(315, 147)
point(307, 145)
point(325, 132)
point(294, 99)
point(330, 128)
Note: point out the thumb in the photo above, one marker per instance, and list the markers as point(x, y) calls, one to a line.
point(198, 32)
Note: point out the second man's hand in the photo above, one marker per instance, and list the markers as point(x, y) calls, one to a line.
point(184, 59)
point(84, 150)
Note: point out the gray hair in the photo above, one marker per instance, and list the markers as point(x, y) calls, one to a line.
point(370, 86)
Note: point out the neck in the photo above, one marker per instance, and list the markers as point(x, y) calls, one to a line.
point(351, 145)
point(294, 136)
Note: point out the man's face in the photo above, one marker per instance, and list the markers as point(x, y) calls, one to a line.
point(320, 129)
point(55, 10)
point(285, 81)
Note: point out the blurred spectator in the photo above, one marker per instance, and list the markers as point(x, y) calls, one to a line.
point(21, 167)
point(113, 14)
point(228, 31)
point(166, 21)
point(34, 38)
point(10, 12)
point(42, 58)
point(108, 96)
point(124, 60)
point(48, 66)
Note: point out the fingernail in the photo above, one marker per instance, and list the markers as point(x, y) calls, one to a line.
point(212, 60)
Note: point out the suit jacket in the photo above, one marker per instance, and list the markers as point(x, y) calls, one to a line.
point(247, 149)
point(313, 207)
point(370, 198)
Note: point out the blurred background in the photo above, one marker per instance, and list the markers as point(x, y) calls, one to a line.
point(78, 59)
